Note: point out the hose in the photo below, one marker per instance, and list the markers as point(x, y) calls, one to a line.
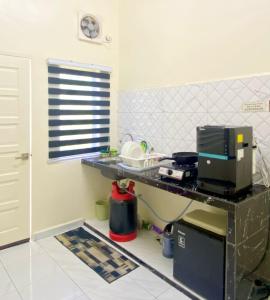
point(140, 197)
point(264, 169)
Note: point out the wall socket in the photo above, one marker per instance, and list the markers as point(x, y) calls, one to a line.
point(256, 106)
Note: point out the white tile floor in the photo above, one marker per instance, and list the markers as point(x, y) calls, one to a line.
point(46, 270)
point(148, 250)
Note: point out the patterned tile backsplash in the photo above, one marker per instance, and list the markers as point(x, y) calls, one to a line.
point(167, 117)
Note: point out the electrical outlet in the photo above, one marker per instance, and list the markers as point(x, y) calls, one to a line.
point(256, 106)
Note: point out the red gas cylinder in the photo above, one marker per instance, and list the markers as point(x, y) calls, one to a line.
point(123, 213)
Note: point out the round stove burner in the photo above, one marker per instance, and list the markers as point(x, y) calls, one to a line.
point(183, 166)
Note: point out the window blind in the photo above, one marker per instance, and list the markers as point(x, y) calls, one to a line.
point(79, 109)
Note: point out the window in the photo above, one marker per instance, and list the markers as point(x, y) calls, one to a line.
point(79, 109)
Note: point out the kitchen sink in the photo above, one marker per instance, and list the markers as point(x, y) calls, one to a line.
point(109, 160)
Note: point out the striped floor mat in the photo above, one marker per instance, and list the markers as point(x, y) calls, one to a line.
point(103, 259)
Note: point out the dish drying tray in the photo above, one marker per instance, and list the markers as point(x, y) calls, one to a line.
point(149, 161)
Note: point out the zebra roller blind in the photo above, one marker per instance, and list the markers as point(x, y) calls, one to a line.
point(79, 109)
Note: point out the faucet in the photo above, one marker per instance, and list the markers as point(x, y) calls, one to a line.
point(126, 134)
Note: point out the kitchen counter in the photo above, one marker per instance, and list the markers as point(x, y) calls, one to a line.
point(248, 222)
point(109, 167)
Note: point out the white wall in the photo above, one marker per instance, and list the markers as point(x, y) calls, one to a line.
point(44, 29)
point(174, 42)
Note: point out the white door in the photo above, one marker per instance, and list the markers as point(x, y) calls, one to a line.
point(14, 149)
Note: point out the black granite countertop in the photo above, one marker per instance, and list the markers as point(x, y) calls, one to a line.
point(109, 167)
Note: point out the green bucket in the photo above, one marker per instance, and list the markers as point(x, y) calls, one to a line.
point(102, 210)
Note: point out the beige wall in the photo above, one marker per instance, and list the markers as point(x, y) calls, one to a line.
point(173, 42)
point(44, 29)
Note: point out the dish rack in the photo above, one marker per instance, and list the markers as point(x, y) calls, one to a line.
point(148, 161)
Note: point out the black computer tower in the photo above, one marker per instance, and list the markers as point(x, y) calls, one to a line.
point(199, 260)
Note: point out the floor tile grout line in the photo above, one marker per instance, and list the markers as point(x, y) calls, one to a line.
point(12, 281)
point(141, 262)
point(97, 275)
point(164, 293)
point(122, 252)
point(167, 289)
point(48, 253)
point(133, 280)
point(43, 253)
point(115, 248)
point(140, 265)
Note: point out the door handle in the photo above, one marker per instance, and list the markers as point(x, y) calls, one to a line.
point(23, 156)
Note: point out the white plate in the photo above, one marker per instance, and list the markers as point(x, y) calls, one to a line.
point(135, 150)
point(125, 148)
point(132, 149)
